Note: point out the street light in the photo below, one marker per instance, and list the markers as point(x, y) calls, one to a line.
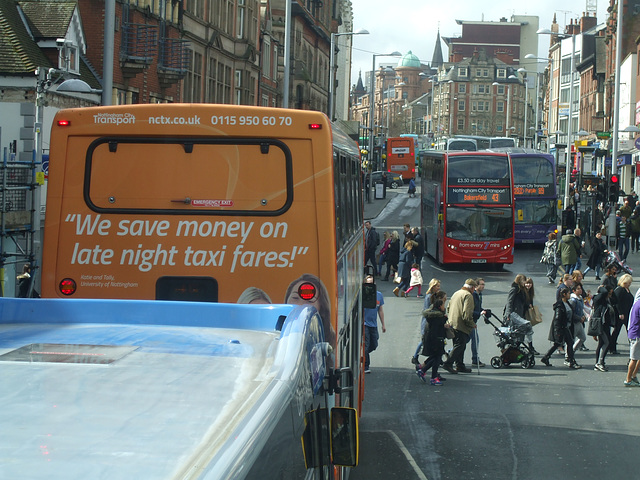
point(531, 56)
point(546, 31)
point(332, 69)
point(371, 102)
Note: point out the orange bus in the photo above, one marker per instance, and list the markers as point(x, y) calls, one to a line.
point(401, 157)
point(219, 203)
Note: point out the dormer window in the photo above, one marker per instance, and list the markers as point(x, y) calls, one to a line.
point(502, 73)
point(68, 58)
point(463, 72)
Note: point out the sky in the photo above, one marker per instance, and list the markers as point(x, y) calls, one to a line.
point(404, 25)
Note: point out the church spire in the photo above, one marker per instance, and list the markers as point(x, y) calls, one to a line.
point(437, 59)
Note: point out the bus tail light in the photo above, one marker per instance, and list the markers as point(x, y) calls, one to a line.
point(64, 123)
point(68, 286)
point(307, 291)
point(315, 126)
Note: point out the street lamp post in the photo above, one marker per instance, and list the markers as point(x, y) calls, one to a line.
point(570, 120)
point(332, 69)
point(531, 56)
point(371, 102)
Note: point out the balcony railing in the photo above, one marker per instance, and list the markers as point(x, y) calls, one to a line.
point(138, 47)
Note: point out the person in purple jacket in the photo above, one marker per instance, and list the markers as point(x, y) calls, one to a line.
point(633, 331)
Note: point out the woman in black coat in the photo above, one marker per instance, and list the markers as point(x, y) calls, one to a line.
point(603, 311)
point(559, 332)
point(433, 341)
point(516, 298)
point(598, 249)
point(393, 254)
point(624, 302)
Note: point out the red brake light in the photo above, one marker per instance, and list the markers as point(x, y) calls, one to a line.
point(307, 291)
point(64, 123)
point(67, 286)
point(315, 126)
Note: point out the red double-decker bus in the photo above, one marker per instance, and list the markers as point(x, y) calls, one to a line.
point(401, 157)
point(468, 207)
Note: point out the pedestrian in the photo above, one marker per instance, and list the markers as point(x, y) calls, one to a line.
point(408, 235)
point(578, 234)
point(516, 299)
point(623, 302)
point(610, 279)
point(393, 255)
point(559, 332)
point(461, 319)
point(576, 302)
point(570, 218)
point(386, 241)
point(623, 232)
point(602, 316)
point(633, 333)
point(416, 281)
point(24, 283)
point(598, 251)
point(412, 187)
point(477, 312)
point(434, 288)
point(371, 334)
point(550, 257)
point(371, 242)
point(404, 269)
point(567, 281)
point(418, 250)
point(634, 221)
point(530, 293)
point(569, 250)
point(433, 341)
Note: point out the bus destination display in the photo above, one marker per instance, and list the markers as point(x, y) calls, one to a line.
point(475, 195)
point(533, 189)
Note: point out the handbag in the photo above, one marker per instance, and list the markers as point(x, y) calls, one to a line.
point(448, 330)
point(594, 329)
point(533, 315)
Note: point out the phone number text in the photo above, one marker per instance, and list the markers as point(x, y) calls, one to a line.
point(251, 120)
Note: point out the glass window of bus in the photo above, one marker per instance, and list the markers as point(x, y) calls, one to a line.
point(536, 170)
point(479, 223)
point(468, 145)
point(478, 170)
point(502, 142)
point(541, 211)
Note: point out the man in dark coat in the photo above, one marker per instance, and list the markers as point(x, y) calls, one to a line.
point(418, 249)
point(371, 242)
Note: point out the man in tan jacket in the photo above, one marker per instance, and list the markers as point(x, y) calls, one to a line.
point(460, 313)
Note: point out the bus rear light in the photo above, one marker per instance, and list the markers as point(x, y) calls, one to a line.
point(67, 286)
point(64, 123)
point(315, 126)
point(307, 291)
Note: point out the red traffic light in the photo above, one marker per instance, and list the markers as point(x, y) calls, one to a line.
point(614, 179)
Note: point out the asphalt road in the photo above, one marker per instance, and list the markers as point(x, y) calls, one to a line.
point(507, 423)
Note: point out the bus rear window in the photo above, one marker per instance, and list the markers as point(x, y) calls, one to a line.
point(188, 176)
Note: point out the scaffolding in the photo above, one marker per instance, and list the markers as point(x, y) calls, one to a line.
point(18, 203)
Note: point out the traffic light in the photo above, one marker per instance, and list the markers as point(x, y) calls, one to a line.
point(614, 188)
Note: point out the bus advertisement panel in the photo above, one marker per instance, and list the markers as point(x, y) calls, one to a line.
point(401, 157)
point(534, 188)
point(467, 207)
point(215, 203)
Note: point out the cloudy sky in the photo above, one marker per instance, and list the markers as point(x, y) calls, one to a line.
point(404, 25)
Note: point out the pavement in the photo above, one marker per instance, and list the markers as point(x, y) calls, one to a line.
point(372, 209)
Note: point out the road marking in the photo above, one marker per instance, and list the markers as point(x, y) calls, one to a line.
point(438, 268)
point(408, 455)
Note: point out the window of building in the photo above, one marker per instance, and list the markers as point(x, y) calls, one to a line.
point(266, 58)
point(460, 124)
point(463, 72)
point(461, 105)
point(238, 87)
point(240, 19)
point(265, 100)
point(499, 127)
point(502, 73)
point(462, 88)
point(500, 90)
point(499, 106)
point(210, 95)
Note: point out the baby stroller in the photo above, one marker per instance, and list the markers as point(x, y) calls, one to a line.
point(614, 259)
point(510, 340)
